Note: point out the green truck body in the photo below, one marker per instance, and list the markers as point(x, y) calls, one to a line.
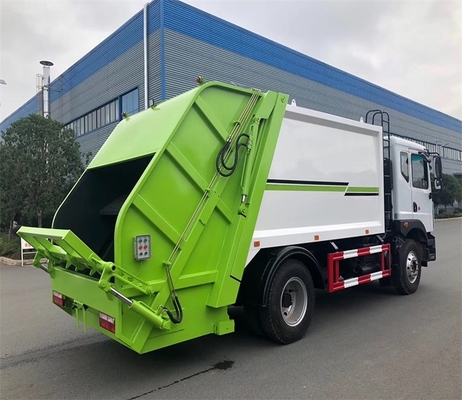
point(150, 245)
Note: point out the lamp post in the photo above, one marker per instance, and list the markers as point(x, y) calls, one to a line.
point(46, 88)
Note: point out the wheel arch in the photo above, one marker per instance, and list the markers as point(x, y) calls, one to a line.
point(417, 235)
point(415, 230)
point(412, 229)
point(264, 266)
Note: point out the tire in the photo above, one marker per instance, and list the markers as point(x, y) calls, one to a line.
point(290, 303)
point(406, 275)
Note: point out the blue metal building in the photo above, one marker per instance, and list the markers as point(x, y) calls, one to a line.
point(160, 50)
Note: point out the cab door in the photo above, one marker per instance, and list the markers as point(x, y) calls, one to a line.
point(422, 205)
point(402, 199)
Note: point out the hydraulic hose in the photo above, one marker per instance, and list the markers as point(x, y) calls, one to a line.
point(220, 161)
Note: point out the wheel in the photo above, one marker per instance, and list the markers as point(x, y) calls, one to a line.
point(406, 275)
point(290, 303)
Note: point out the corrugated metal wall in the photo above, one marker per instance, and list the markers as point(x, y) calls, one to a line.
point(112, 79)
point(154, 52)
point(115, 78)
point(155, 78)
point(215, 63)
point(122, 75)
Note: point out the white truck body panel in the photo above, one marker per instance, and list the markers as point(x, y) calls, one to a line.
point(325, 181)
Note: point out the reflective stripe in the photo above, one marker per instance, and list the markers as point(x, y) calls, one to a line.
point(334, 280)
point(350, 254)
point(376, 275)
point(350, 282)
point(375, 249)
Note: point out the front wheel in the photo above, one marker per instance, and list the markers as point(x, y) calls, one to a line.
point(406, 275)
point(290, 303)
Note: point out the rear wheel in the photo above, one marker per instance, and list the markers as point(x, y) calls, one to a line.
point(406, 275)
point(290, 303)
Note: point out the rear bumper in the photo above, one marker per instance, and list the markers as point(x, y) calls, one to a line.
point(83, 289)
point(84, 300)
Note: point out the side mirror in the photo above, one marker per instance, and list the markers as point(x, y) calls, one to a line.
point(438, 182)
point(438, 169)
point(437, 185)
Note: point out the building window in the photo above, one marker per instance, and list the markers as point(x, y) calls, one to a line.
point(86, 120)
point(452, 154)
point(112, 112)
point(106, 114)
point(419, 171)
point(77, 127)
point(98, 118)
point(130, 102)
point(93, 120)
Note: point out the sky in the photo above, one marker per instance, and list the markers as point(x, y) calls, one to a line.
point(411, 47)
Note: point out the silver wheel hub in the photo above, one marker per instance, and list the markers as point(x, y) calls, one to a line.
point(294, 301)
point(412, 267)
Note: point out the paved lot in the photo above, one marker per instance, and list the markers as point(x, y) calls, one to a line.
point(364, 343)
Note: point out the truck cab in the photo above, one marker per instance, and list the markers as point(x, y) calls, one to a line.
point(412, 192)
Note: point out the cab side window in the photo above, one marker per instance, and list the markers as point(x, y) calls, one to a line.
point(404, 165)
point(419, 172)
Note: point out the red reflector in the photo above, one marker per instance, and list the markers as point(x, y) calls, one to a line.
point(107, 322)
point(58, 299)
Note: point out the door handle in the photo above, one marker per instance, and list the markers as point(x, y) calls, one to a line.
point(415, 206)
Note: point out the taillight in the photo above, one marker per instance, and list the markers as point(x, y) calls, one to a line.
point(58, 299)
point(107, 322)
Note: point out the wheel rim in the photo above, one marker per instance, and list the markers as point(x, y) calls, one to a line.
point(294, 301)
point(412, 267)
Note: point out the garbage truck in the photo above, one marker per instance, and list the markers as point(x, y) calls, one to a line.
point(227, 196)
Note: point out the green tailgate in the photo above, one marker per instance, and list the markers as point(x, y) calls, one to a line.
point(156, 177)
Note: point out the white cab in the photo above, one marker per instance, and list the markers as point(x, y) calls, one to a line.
point(412, 186)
